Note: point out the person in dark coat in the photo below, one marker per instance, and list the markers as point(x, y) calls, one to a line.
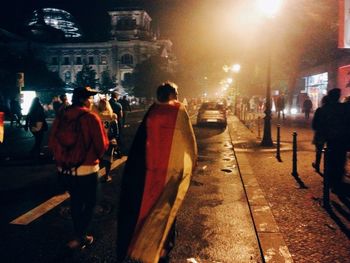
point(16, 112)
point(126, 108)
point(117, 108)
point(334, 123)
point(307, 107)
point(36, 123)
point(319, 138)
point(280, 105)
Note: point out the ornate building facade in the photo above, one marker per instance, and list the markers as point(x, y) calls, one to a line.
point(131, 42)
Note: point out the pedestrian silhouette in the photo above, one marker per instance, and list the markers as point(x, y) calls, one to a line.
point(78, 140)
point(335, 121)
point(307, 107)
point(319, 138)
point(36, 123)
point(155, 180)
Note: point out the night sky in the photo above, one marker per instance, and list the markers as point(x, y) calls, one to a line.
point(206, 33)
point(196, 27)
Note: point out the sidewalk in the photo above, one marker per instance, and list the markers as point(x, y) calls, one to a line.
point(287, 217)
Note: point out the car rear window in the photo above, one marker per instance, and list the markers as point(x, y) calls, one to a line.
point(212, 106)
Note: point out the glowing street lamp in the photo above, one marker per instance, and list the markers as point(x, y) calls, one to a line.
point(268, 8)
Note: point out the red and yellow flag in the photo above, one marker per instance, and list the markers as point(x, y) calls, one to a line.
point(2, 118)
point(155, 181)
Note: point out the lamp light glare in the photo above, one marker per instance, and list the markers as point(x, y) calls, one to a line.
point(269, 7)
point(27, 99)
point(293, 111)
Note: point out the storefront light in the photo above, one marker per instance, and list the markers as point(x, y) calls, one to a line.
point(293, 111)
point(26, 100)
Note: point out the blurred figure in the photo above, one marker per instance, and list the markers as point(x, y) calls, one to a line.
point(36, 123)
point(252, 105)
point(56, 104)
point(155, 180)
point(280, 105)
point(16, 112)
point(307, 107)
point(109, 120)
point(335, 122)
point(126, 108)
point(117, 108)
point(319, 128)
point(64, 102)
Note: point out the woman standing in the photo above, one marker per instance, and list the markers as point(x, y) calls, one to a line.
point(37, 124)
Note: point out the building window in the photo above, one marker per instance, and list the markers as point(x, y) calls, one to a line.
point(91, 61)
point(127, 59)
point(126, 23)
point(67, 77)
point(66, 61)
point(78, 61)
point(54, 61)
point(103, 60)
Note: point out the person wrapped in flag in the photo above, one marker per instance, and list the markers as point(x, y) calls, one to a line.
point(155, 180)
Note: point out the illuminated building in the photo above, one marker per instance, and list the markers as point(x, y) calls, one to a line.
point(58, 19)
point(131, 42)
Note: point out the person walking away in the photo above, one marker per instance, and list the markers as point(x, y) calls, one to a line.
point(319, 138)
point(114, 136)
point(335, 123)
point(117, 108)
point(36, 123)
point(126, 108)
point(56, 104)
point(105, 112)
point(64, 102)
point(280, 105)
point(307, 107)
point(16, 112)
point(155, 180)
point(78, 141)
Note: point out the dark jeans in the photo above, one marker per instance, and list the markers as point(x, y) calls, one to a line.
point(307, 114)
point(336, 165)
point(38, 136)
point(82, 190)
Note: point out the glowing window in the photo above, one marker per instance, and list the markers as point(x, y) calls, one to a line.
point(103, 60)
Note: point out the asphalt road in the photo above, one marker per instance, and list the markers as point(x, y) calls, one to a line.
point(29, 186)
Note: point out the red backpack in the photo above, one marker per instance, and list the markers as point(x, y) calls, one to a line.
point(70, 150)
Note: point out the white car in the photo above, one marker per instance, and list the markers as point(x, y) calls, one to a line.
point(212, 113)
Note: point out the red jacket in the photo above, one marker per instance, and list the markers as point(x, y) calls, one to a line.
point(93, 132)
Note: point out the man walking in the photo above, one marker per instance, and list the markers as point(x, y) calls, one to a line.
point(155, 180)
point(78, 140)
point(117, 108)
point(126, 108)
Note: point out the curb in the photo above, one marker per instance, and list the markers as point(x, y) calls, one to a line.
point(272, 244)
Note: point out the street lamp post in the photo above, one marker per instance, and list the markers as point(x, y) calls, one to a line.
point(267, 139)
point(269, 8)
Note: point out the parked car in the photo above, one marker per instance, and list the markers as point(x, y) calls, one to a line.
point(212, 113)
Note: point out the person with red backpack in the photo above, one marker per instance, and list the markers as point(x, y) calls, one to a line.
point(77, 141)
